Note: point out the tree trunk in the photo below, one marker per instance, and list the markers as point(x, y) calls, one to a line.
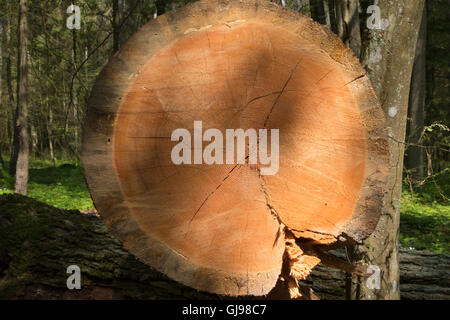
point(232, 228)
point(1, 87)
point(40, 242)
point(414, 158)
point(34, 140)
point(50, 132)
point(347, 21)
point(320, 12)
point(116, 26)
point(9, 82)
point(74, 93)
point(327, 13)
point(22, 108)
point(391, 77)
point(423, 276)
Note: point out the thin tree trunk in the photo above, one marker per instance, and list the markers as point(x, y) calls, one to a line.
point(49, 115)
point(391, 78)
point(333, 19)
point(22, 108)
point(50, 133)
point(34, 139)
point(347, 20)
point(116, 25)
point(1, 84)
point(2, 163)
point(317, 11)
point(326, 10)
point(74, 89)
point(415, 160)
point(9, 82)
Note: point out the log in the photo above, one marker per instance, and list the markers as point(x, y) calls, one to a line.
point(39, 242)
point(228, 226)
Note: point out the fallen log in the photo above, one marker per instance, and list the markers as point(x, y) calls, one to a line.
point(231, 222)
point(38, 242)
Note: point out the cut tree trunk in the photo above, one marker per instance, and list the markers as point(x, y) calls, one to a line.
point(38, 242)
point(228, 228)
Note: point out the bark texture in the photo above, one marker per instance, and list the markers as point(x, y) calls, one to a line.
point(39, 242)
point(391, 78)
point(347, 23)
point(116, 25)
point(23, 140)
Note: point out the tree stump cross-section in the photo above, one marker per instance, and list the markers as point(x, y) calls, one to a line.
point(246, 64)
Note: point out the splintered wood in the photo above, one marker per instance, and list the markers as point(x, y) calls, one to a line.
point(226, 228)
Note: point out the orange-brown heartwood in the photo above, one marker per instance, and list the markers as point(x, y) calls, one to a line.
point(227, 229)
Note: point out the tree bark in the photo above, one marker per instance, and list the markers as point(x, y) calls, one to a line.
point(49, 128)
point(423, 276)
point(347, 21)
point(39, 242)
point(414, 157)
point(22, 107)
point(116, 25)
point(391, 78)
point(1, 88)
point(9, 82)
point(327, 13)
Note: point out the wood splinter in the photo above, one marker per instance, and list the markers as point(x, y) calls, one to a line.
point(302, 258)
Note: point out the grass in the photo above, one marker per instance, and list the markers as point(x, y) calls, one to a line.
point(425, 216)
point(424, 223)
point(62, 185)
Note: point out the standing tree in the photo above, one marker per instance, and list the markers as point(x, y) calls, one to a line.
point(116, 25)
point(1, 78)
point(347, 23)
point(414, 157)
point(390, 74)
point(22, 142)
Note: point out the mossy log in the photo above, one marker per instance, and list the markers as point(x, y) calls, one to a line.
point(38, 242)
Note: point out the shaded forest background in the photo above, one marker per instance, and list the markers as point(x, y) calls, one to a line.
point(63, 64)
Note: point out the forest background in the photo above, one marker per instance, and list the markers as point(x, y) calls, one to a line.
point(62, 65)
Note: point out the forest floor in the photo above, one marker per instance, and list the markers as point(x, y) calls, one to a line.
point(424, 223)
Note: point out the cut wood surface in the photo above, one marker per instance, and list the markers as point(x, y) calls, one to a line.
point(39, 242)
point(235, 64)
